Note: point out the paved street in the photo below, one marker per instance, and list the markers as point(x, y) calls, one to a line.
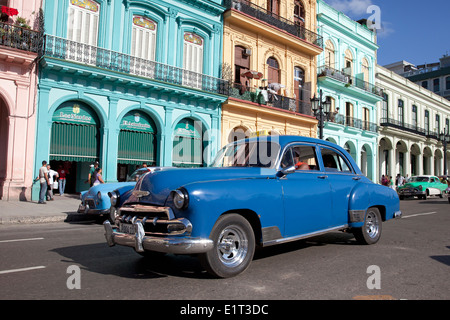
point(39, 261)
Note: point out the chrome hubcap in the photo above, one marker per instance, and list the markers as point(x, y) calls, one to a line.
point(372, 225)
point(232, 246)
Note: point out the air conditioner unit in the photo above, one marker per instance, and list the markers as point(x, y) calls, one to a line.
point(247, 52)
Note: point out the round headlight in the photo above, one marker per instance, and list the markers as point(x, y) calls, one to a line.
point(420, 188)
point(180, 198)
point(114, 198)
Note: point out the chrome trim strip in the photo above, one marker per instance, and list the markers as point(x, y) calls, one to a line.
point(304, 236)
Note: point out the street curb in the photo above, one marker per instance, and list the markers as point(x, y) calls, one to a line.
point(32, 219)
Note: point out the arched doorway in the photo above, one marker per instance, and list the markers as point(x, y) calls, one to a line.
point(75, 143)
point(188, 145)
point(137, 143)
point(238, 133)
point(415, 154)
point(4, 135)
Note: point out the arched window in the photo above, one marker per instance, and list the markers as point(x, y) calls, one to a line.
point(273, 6)
point(365, 69)
point(273, 72)
point(82, 27)
point(299, 13)
point(329, 54)
point(241, 65)
point(143, 40)
point(348, 62)
point(193, 60)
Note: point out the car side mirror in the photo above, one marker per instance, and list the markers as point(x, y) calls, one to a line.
point(284, 172)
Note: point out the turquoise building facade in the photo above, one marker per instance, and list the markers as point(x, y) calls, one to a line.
point(346, 77)
point(124, 82)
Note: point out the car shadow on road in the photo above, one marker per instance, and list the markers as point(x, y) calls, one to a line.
point(125, 262)
point(340, 238)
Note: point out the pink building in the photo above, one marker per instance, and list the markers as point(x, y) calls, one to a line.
point(19, 46)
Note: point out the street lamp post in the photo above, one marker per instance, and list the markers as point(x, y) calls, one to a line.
point(321, 110)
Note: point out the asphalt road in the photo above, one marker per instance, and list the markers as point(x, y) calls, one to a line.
point(71, 261)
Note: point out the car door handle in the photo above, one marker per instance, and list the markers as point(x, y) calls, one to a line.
point(323, 177)
point(356, 178)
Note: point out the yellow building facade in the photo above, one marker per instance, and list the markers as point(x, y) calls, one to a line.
point(270, 51)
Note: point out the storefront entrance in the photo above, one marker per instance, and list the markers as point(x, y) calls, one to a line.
point(188, 144)
point(137, 143)
point(75, 143)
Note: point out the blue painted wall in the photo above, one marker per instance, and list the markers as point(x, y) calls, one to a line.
point(113, 93)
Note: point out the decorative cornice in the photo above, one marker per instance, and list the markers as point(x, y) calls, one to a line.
point(207, 6)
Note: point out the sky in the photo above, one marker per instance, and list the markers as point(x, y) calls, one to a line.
point(411, 30)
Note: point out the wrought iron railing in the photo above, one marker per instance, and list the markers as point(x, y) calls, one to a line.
point(20, 38)
point(263, 97)
point(353, 122)
point(111, 60)
point(275, 20)
point(388, 122)
point(348, 80)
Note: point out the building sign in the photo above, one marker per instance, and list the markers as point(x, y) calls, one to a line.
point(85, 4)
point(75, 112)
point(144, 23)
point(137, 121)
point(186, 128)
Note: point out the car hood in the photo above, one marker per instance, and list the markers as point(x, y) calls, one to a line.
point(161, 183)
point(412, 185)
point(105, 187)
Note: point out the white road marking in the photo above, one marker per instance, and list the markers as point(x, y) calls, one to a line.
point(15, 240)
point(418, 214)
point(21, 269)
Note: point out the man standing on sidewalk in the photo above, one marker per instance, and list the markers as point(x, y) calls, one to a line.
point(43, 179)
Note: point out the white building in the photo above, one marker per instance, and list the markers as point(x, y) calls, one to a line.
point(411, 121)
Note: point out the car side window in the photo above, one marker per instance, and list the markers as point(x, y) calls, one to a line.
point(302, 157)
point(334, 162)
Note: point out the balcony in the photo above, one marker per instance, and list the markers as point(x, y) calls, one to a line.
point(262, 96)
point(348, 80)
point(275, 20)
point(20, 38)
point(387, 122)
point(60, 48)
point(352, 122)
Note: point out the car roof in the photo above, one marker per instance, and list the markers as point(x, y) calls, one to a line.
point(283, 140)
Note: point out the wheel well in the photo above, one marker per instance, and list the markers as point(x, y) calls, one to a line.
point(253, 219)
point(382, 210)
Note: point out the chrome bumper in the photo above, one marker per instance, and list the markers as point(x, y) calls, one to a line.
point(398, 214)
point(87, 210)
point(140, 242)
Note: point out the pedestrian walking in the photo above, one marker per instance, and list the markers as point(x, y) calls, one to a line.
point(43, 180)
point(98, 177)
point(91, 177)
point(52, 176)
point(391, 183)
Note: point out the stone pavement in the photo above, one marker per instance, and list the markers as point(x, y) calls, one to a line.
point(58, 210)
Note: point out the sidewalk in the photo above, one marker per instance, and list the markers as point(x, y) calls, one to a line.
point(58, 210)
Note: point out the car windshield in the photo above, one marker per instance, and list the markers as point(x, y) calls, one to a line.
point(420, 179)
point(248, 154)
point(137, 174)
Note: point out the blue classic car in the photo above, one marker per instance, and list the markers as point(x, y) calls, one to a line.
point(259, 192)
point(97, 201)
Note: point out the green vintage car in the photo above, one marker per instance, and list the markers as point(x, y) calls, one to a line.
point(422, 187)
